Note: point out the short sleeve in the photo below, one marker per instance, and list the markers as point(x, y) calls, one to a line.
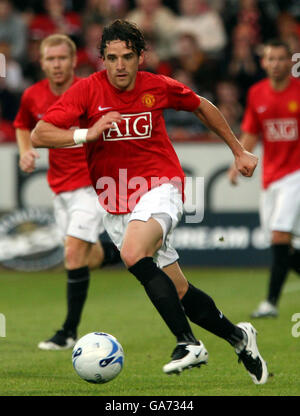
point(180, 97)
point(250, 123)
point(67, 110)
point(24, 119)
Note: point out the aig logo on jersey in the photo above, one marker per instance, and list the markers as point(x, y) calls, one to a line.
point(133, 127)
point(284, 129)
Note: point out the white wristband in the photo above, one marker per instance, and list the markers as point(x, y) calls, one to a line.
point(80, 135)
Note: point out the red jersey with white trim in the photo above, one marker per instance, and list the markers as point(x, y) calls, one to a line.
point(67, 166)
point(276, 115)
point(135, 155)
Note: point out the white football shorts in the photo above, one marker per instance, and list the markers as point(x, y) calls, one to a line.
point(280, 206)
point(162, 203)
point(79, 214)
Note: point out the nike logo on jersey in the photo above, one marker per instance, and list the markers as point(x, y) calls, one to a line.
point(261, 109)
point(103, 108)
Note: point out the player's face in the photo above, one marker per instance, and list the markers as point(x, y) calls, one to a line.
point(277, 63)
point(121, 64)
point(58, 63)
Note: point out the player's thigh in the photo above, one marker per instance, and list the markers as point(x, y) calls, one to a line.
point(152, 220)
point(141, 239)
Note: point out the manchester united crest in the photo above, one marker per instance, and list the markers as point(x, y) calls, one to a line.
point(148, 100)
point(293, 106)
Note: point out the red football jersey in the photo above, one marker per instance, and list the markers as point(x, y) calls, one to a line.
point(136, 155)
point(67, 166)
point(276, 115)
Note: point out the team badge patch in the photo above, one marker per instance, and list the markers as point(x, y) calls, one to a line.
point(148, 100)
point(293, 106)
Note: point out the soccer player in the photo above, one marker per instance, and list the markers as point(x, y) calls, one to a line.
point(140, 183)
point(75, 201)
point(273, 112)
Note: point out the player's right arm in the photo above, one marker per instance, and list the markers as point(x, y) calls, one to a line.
point(56, 129)
point(26, 151)
point(248, 141)
point(250, 127)
point(48, 135)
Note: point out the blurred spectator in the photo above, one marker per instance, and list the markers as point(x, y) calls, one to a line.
point(104, 10)
point(7, 131)
point(198, 18)
point(88, 57)
point(287, 26)
point(31, 68)
point(293, 40)
point(258, 16)
point(228, 101)
point(153, 63)
point(12, 30)
point(8, 101)
point(157, 22)
point(55, 19)
point(242, 62)
point(14, 80)
point(201, 69)
point(292, 7)
point(183, 125)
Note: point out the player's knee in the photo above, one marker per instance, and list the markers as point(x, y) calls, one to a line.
point(131, 256)
point(74, 258)
point(279, 237)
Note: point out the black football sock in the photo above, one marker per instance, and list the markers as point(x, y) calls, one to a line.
point(201, 309)
point(111, 254)
point(294, 258)
point(77, 287)
point(162, 293)
point(279, 270)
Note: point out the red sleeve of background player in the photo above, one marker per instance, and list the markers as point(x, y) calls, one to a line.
point(250, 123)
point(66, 111)
point(24, 119)
point(180, 97)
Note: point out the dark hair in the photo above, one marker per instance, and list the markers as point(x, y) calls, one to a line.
point(278, 43)
point(124, 31)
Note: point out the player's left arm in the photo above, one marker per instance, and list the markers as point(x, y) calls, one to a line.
point(213, 119)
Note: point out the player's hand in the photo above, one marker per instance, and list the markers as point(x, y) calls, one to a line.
point(104, 123)
point(27, 160)
point(233, 174)
point(246, 163)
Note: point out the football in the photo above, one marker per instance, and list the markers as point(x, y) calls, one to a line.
point(98, 357)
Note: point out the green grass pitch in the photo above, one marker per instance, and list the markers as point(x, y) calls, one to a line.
point(34, 307)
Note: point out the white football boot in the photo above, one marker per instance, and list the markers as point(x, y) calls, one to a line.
point(265, 310)
point(60, 341)
point(250, 356)
point(186, 356)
